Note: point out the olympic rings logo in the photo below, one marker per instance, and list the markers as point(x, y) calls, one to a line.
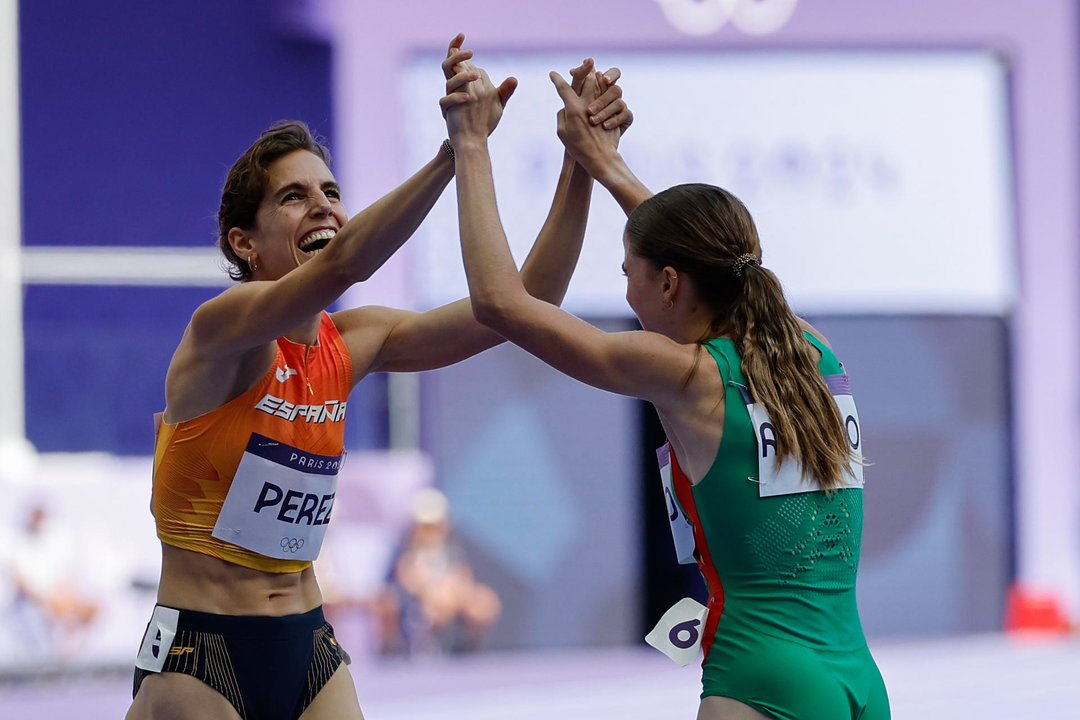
point(289, 544)
point(704, 17)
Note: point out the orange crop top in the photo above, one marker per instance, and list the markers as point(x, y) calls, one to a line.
point(253, 481)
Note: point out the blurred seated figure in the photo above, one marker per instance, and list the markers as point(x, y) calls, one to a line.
point(49, 609)
point(432, 603)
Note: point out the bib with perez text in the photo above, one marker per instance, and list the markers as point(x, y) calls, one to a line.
point(280, 500)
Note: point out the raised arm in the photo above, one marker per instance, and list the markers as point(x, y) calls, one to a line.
point(582, 124)
point(550, 264)
point(418, 341)
point(292, 289)
point(645, 365)
point(256, 312)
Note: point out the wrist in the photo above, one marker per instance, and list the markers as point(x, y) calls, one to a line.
point(608, 168)
point(464, 144)
point(573, 170)
point(447, 150)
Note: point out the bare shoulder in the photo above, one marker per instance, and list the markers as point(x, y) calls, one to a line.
point(214, 317)
point(198, 382)
point(694, 419)
point(362, 318)
point(365, 330)
point(813, 331)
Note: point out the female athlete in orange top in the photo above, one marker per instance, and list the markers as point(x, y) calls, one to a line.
point(255, 398)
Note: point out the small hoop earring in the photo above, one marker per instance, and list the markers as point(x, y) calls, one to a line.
point(253, 261)
point(669, 304)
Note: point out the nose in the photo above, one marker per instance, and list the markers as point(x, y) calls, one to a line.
point(320, 204)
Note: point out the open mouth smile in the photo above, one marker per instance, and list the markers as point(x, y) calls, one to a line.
point(313, 243)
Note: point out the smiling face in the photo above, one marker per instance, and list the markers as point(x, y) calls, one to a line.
point(301, 211)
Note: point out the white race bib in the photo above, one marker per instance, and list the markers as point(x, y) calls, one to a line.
point(682, 532)
point(280, 500)
point(788, 479)
point(679, 632)
point(158, 640)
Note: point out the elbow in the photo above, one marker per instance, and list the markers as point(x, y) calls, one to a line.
point(347, 271)
point(492, 310)
point(343, 268)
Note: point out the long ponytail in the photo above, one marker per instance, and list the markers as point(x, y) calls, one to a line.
point(781, 368)
point(708, 233)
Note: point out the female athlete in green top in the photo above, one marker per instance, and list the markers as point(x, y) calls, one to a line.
point(783, 632)
point(764, 448)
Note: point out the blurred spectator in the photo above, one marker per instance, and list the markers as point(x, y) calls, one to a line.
point(432, 603)
point(47, 612)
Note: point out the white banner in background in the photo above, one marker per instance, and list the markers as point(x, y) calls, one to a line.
point(880, 181)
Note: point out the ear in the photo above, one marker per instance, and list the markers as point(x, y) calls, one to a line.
point(669, 283)
point(240, 240)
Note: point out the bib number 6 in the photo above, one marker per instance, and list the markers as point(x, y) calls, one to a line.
point(690, 627)
point(679, 632)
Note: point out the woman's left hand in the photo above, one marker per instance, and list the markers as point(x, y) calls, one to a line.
point(472, 105)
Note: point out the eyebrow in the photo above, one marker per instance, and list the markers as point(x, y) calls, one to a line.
point(328, 185)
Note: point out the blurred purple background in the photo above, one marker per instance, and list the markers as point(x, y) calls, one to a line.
point(131, 114)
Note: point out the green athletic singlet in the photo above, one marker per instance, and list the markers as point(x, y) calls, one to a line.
point(783, 632)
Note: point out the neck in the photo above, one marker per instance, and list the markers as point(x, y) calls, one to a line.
point(694, 326)
point(307, 333)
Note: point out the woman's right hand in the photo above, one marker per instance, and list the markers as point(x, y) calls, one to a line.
point(592, 138)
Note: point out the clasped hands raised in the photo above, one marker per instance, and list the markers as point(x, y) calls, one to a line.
point(593, 118)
